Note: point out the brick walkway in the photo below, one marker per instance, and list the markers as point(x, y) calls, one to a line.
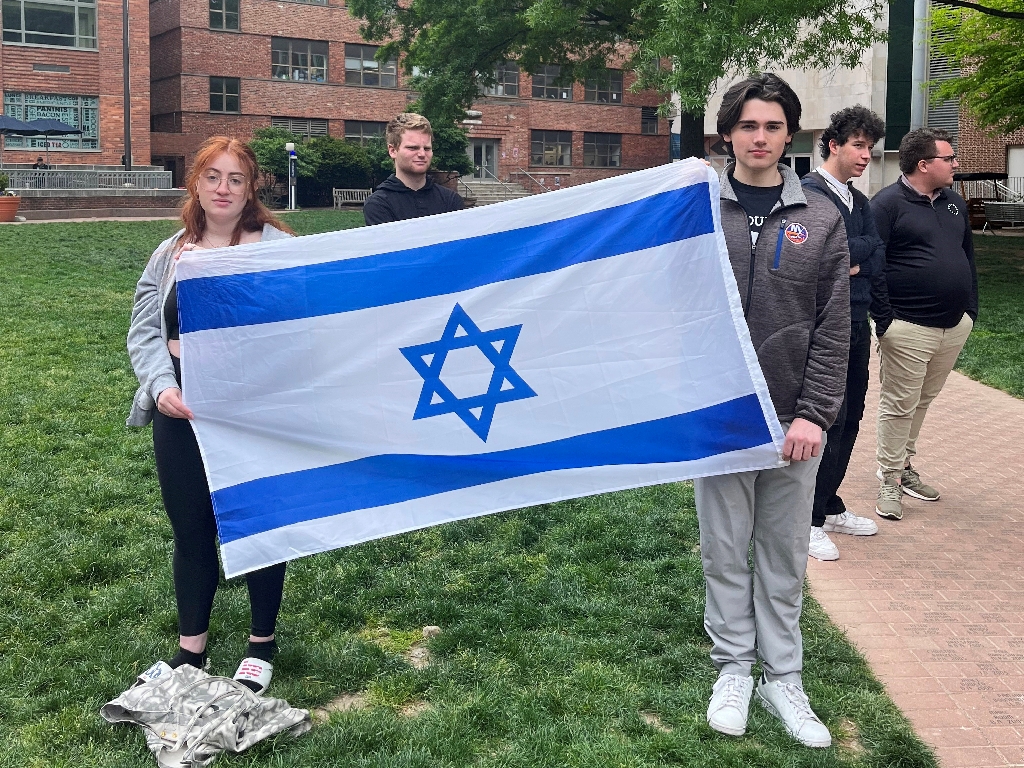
point(936, 601)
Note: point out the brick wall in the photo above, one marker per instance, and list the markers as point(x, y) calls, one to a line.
point(171, 200)
point(92, 73)
point(980, 152)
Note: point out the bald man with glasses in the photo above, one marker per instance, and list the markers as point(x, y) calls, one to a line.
point(933, 294)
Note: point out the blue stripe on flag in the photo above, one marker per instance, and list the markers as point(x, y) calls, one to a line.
point(272, 502)
point(313, 290)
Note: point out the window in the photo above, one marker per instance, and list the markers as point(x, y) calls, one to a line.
point(307, 128)
point(83, 112)
point(362, 69)
point(506, 77)
point(649, 120)
point(551, 148)
point(361, 131)
point(302, 60)
point(224, 14)
point(544, 84)
point(801, 150)
point(67, 23)
point(602, 150)
point(224, 94)
point(606, 89)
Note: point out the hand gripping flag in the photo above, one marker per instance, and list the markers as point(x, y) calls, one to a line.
point(357, 384)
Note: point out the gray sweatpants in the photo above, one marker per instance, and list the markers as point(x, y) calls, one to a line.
point(751, 614)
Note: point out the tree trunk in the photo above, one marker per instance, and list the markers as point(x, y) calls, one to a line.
point(691, 135)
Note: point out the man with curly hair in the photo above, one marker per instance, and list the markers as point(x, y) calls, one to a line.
point(846, 150)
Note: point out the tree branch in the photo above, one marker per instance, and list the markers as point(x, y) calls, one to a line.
point(983, 9)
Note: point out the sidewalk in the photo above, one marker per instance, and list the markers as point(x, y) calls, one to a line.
point(935, 601)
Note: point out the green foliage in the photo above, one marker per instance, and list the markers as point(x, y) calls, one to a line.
point(4, 181)
point(989, 51)
point(563, 625)
point(450, 143)
point(268, 146)
point(340, 164)
point(381, 164)
point(672, 45)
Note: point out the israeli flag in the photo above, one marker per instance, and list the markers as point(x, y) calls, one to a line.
point(358, 384)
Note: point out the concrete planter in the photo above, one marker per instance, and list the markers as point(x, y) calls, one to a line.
point(9, 207)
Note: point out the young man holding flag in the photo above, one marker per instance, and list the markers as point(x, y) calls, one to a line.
point(791, 263)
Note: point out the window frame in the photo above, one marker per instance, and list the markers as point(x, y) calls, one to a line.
point(224, 14)
point(506, 74)
point(648, 116)
point(224, 94)
point(597, 146)
point(550, 73)
point(362, 137)
point(380, 70)
point(79, 40)
point(87, 118)
point(296, 50)
point(593, 88)
point(302, 126)
point(553, 142)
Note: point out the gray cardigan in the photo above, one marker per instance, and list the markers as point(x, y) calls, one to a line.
point(147, 337)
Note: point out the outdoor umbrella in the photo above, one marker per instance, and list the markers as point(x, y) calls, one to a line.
point(10, 126)
point(49, 127)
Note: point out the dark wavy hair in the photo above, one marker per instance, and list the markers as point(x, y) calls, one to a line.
point(848, 123)
point(254, 214)
point(920, 145)
point(766, 87)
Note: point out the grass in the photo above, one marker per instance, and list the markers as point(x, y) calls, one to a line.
point(571, 633)
point(994, 353)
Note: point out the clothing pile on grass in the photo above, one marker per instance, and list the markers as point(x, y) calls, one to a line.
point(190, 717)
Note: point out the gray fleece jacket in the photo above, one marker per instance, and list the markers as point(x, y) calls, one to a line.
point(795, 290)
point(147, 337)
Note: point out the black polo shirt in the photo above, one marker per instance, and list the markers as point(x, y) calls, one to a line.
point(929, 256)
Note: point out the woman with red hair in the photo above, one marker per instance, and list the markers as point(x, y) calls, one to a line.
point(222, 210)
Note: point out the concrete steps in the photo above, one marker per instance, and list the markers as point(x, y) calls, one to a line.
point(487, 192)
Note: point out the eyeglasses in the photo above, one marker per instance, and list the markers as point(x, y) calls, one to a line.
point(212, 181)
point(947, 158)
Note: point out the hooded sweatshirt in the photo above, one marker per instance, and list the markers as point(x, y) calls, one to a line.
point(794, 287)
point(393, 201)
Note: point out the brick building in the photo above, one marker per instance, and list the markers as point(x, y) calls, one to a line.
point(62, 59)
point(981, 152)
point(231, 66)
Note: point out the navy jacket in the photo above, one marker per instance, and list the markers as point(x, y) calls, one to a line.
point(393, 201)
point(868, 290)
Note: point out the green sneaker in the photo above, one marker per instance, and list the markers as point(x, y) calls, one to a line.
point(890, 497)
point(914, 486)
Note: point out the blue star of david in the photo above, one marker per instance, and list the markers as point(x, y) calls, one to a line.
point(505, 386)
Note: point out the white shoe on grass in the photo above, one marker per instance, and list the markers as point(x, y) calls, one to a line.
point(821, 546)
point(788, 702)
point(849, 523)
point(730, 701)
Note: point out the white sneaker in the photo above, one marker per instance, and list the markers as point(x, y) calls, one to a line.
point(821, 546)
point(788, 702)
point(730, 699)
point(850, 523)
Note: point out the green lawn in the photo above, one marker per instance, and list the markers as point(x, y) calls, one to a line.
point(994, 353)
point(572, 633)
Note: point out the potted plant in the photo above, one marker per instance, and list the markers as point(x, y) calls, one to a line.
point(9, 202)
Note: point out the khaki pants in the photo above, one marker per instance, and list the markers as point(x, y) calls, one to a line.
point(915, 361)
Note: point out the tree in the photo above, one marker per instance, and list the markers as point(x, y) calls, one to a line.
point(680, 46)
point(989, 50)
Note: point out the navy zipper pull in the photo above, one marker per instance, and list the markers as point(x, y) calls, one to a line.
point(778, 245)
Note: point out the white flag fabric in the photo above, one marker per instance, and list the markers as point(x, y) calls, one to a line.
point(363, 383)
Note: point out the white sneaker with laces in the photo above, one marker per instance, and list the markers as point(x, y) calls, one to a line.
point(821, 546)
point(788, 702)
point(730, 700)
point(850, 523)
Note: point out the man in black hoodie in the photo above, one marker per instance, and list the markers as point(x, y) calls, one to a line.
point(846, 149)
point(409, 193)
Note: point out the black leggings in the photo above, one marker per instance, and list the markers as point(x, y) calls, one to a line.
point(186, 496)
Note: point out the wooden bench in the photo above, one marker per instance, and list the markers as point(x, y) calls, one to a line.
point(350, 196)
point(1004, 214)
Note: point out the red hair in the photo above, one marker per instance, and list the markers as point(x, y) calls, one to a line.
point(254, 215)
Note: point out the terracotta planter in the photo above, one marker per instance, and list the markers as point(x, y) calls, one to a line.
point(9, 207)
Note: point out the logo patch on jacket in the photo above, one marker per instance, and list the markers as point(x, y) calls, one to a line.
point(796, 233)
point(953, 209)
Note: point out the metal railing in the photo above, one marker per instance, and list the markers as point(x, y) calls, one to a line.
point(522, 172)
point(20, 179)
point(1010, 190)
